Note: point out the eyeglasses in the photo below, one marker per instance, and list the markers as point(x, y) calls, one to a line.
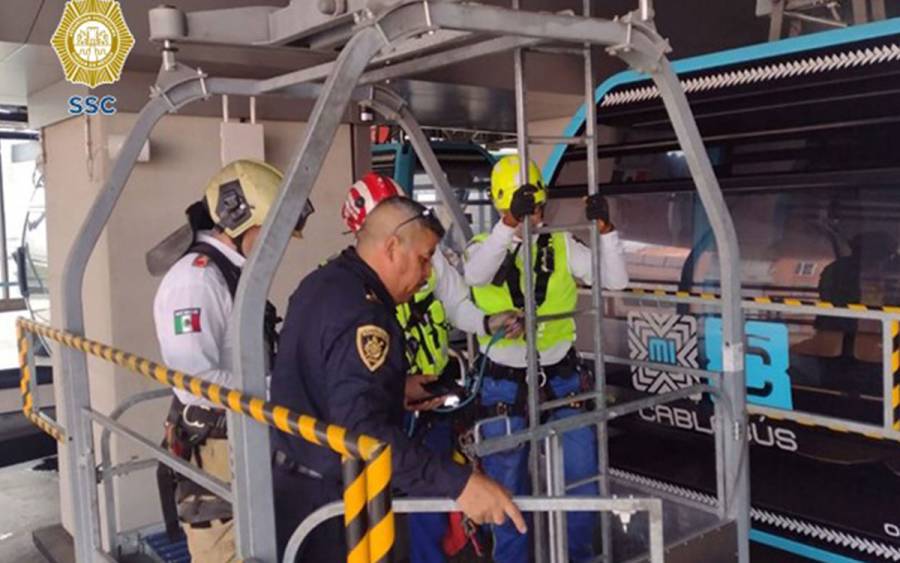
point(426, 215)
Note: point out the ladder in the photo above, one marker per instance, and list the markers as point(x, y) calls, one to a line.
point(554, 483)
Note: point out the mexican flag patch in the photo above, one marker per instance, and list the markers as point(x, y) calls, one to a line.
point(187, 321)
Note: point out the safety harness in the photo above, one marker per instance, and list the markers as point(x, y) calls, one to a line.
point(509, 276)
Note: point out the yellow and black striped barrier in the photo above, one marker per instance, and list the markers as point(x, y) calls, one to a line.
point(767, 300)
point(895, 372)
point(37, 418)
point(369, 518)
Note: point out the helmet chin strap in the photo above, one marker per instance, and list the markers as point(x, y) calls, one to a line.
point(239, 243)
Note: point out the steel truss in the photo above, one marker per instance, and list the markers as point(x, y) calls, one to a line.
point(367, 34)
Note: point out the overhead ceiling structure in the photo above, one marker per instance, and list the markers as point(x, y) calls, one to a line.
point(455, 96)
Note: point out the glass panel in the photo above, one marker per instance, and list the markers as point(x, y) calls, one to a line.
point(838, 245)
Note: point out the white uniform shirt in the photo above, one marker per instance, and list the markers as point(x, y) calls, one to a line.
point(191, 312)
point(484, 258)
point(451, 290)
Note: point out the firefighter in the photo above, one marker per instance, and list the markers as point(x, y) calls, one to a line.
point(191, 312)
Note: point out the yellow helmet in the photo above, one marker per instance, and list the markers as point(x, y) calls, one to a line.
point(240, 195)
point(505, 182)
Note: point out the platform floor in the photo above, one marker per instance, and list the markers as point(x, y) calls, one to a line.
point(29, 497)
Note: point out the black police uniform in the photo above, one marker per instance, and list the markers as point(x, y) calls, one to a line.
point(341, 360)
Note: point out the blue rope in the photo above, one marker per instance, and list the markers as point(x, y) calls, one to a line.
point(476, 382)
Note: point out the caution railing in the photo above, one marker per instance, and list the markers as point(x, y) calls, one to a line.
point(28, 387)
point(368, 515)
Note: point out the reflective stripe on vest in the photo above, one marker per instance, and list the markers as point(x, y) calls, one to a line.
point(424, 322)
point(555, 289)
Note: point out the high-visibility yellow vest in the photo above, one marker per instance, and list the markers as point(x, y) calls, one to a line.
point(425, 324)
point(555, 290)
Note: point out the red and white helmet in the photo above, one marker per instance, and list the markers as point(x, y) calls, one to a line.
point(364, 195)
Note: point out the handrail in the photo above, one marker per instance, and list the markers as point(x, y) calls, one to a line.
point(27, 389)
point(653, 507)
point(369, 517)
point(812, 306)
point(888, 315)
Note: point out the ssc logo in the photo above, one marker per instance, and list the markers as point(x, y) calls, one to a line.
point(92, 42)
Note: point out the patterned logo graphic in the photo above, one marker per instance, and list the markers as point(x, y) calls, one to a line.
point(665, 339)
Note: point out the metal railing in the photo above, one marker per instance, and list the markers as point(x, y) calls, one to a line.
point(368, 515)
point(887, 315)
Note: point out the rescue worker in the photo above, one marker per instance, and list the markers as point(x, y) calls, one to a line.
point(342, 360)
point(494, 269)
point(191, 312)
point(426, 319)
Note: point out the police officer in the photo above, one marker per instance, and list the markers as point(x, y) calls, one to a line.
point(426, 320)
point(494, 269)
point(191, 312)
point(341, 359)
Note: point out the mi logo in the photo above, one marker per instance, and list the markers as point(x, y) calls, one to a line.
point(661, 350)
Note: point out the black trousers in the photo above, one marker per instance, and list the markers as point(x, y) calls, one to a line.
point(298, 496)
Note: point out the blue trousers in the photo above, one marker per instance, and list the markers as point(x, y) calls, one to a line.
point(510, 468)
point(427, 530)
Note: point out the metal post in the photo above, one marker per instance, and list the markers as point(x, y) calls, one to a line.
point(590, 134)
point(533, 376)
point(733, 422)
point(390, 105)
point(252, 486)
point(356, 519)
point(860, 11)
point(776, 20)
point(891, 364)
point(4, 265)
point(76, 395)
point(556, 487)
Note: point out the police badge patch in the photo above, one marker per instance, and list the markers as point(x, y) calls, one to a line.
point(372, 343)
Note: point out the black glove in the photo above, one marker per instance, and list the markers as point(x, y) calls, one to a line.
point(523, 204)
point(596, 208)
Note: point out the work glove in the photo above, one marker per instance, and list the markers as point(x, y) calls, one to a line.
point(523, 204)
point(596, 208)
point(508, 321)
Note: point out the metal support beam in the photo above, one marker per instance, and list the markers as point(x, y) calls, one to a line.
point(532, 378)
point(392, 106)
point(76, 394)
point(510, 441)
point(889, 331)
point(590, 138)
point(731, 438)
point(860, 11)
point(253, 506)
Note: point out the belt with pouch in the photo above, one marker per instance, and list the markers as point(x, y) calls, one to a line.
point(565, 368)
point(203, 418)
